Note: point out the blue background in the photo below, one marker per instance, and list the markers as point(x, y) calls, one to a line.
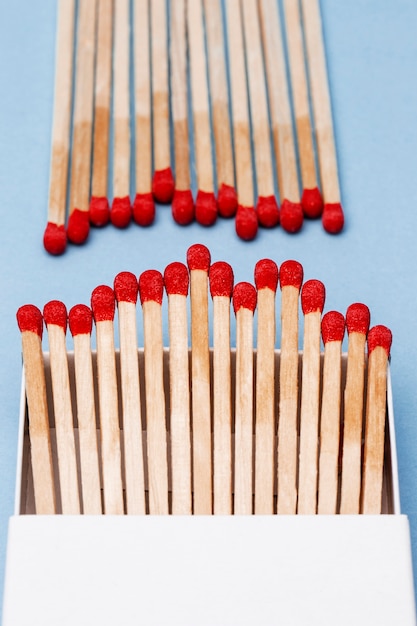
point(372, 60)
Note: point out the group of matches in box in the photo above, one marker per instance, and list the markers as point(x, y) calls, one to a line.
point(218, 440)
point(244, 144)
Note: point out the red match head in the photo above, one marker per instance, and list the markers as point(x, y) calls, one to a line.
point(143, 209)
point(55, 312)
point(163, 185)
point(312, 203)
point(198, 257)
point(221, 279)
point(227, 200)
point(183, 207)
point(246, 222)
point(291, 274)
point(244, 296)
point(29, 319)
point(176, 279)
point(205, 208)
point(358, 318)
point(267, 211)
point(333, 219)
point(99, 211)
point(121, 212)
point(332, 327)
point(151, 286)
point(103, 303)
point(379, 336)
point(55, 238)
point(313, 295)
point(80, 320)
point(291, 216)
point(266, 274)
point(78, 227)
point(126, 287)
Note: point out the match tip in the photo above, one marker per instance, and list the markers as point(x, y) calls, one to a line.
point(332, 326)
point(183, 207)
point(99, 211)
point(126, 287)
point(151, 286)
point(78, 227)
point(176, 279)
point(312, 203)
point(291, 216)
point(221, 279)
point(379, 336)
point(55, 312)
point(358, 318)
point(103, 303)
point(244, 296)
point(163, 185)
point(266, 274)
point(205, 208)
point(143, 209)
point(198, 257)
point(267, 211)
point(121, 212)
point(313, 295)
point(226, 200)
point(333, 219)
point(291, 274)
point(55, 238)
point(80, 320)
point(246, 222)
point(29, 318)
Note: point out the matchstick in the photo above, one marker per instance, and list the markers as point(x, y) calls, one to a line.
point(182, 202)
point(312, 302)
point(226, 191)
point(198, 260)
point(332, 218)
point(78, 226)
point(290, 278)
point(126, 292)
point(103, 306)
point(266, 207)
point(99, 203)
point(163, 180)
point(357, 324)
point(151, 286)
point(55, 237)
point(332, 331)
point(244, 304)
point(121, 209)
point(246, 221)
point(221, 287)
point(55, 316)
point(176, 281)
point(30, 323)
point(311, 199)
point(143, 204)
point(266, 281)
point(80, 322)
point(379, 345)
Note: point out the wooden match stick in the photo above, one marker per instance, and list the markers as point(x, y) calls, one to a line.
point(163, 180)
point(379, 345)
point(244, 304)
point(126, 292)
point(312, 302)
point(151, 286)
point(55, 316)
point(121, 209)
point(182, 202)
point(357, 323)
point(176, 284)
point(103, 306)
point(332, 218)
point(311, 199)
point(198, 260)
point(30, 323)
point(266, 281)
point(246, 221)
point(55, 237)
point(332, 331)
point(291, 278)
point(226, 192)
point(99, 203)
point(143, 204)
point(221, 287)
point(266, 207)
point(78, 227)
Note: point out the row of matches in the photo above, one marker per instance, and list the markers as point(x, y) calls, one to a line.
point(221, 63)
point(206, 451)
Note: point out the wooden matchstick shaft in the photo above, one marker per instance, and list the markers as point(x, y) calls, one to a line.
point(121, 100)
point(160, 102)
